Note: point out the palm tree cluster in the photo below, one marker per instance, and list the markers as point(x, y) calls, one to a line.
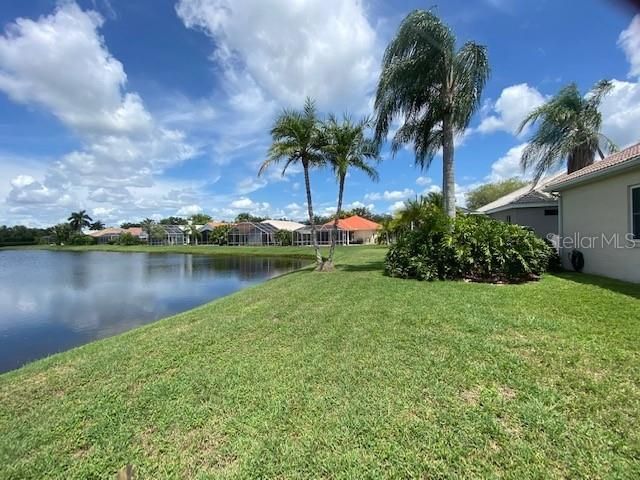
point(302, 138)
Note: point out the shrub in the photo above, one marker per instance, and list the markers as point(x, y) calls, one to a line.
point(220, 235)
point(472, 247)
point(79, 239)
point(283, 237)
point(128, 239)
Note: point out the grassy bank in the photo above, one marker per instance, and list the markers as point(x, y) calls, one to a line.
point(347, 374)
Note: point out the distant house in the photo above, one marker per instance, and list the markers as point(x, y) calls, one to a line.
point(252, 234)
point(600, 215)
point(112, 234)
point(530, 206)
point(173, 235)
point(205, 231)
point(353, 230)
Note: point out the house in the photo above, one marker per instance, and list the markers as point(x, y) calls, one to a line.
point(600, 216)
point(173, 235)
point(112, 234)
point(205, 231)
point(252, 233)
point(530, 206)
point(351, 231)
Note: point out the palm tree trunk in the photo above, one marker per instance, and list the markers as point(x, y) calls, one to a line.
point(314, 239)
point(448, 177)
point(334, 230)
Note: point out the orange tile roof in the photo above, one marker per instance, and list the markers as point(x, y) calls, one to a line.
point(355, 223)
point(596, 169)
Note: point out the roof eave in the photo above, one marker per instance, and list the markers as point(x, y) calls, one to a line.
point(597, 175)
point(511, 206)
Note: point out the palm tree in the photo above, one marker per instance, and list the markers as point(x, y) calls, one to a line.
point(297, 139)
point(569, 129)
point(147, 226)
point(347, 147)
point(97, 225)
point(434, 87)
point(415, 211)
point(79, 220)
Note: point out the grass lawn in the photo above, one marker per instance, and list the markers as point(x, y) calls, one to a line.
point(347, 374)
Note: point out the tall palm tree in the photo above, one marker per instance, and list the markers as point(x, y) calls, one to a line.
point(347, 147)
point(297, 139)
point(569, 129)
point(434, 87)
point(79, 220)
point(97, 225)
point(147, 226)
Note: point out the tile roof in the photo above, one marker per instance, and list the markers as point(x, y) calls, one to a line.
point(106, 231)
point(284, 225)
point(529, 194)
point(617, 160)
point(355, 223)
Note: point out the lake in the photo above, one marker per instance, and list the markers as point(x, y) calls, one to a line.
point(53, 301)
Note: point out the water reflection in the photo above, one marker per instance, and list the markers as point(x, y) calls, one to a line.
point(52, 301)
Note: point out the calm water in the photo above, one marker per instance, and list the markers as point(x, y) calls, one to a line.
point(53, 301)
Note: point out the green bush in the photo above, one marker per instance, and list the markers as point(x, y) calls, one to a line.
point(80, 239)
point(472, 247)
point(128, 239)
point(284, 238)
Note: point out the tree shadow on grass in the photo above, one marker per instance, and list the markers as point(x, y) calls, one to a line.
point(375, 266)
point(616, 286)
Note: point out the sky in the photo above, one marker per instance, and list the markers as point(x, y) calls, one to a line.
point(161, 107)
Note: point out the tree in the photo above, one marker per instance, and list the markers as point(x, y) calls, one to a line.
point(130, 225)
point(247, 217)
point(347, 148)
point(62, 233)
point(147, 226)
point(569, 129)
point(79, 220)
point(297, 139)
point(415, 211)
point(487, 193)
point(173, 221)
point(97, 225)
point(220, 235)
point(435, 88)
point(200, 218)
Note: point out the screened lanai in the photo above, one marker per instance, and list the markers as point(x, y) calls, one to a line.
point(250, 233)
point(302, 236)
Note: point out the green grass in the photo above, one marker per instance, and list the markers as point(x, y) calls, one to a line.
point(347, 374)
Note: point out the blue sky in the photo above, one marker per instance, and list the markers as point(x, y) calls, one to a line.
point(155, 108)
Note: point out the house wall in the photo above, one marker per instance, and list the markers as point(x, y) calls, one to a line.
point(365, 237)
point(533, 217)
point(601, 207)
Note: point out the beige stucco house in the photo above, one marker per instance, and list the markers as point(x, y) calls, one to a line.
point(530, 206)
point(599, 215)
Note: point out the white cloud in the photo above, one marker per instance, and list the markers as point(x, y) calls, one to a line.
point(390, 195)
point(423, 181)
point(287, 49)
point(621, 113)
point(513, 105)
point(629, 41)
point(396, 206)
point(507, 166)
point(250, 184)
point(60, 63)
point(189, 210)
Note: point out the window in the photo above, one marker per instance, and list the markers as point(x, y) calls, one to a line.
point(635, 212)
point(550, 212)
point(508, 218)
